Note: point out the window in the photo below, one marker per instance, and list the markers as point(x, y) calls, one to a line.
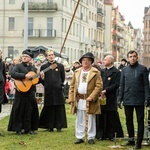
point(10, 51)
point(49, 1)
point(11, 23)
point(49, 26)
point(11, 1)
point(30, 26)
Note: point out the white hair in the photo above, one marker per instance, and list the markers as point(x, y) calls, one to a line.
point(111, 58)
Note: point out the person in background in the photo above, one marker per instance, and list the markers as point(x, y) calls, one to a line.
point(8, 63)
point(68, 77)
point(85, 89)
point(14, 63)
point(24, 114)
point(135, 94)
point(39, 86)
point(123, 64)
point(76, 64)
point(53, 114)
point(108, 122)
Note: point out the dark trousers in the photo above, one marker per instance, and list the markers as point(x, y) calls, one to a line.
point(140, 121)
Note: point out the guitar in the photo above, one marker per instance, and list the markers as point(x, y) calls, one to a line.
point(24, 85)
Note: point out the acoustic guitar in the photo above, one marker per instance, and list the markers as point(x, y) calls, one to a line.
point(24, 85)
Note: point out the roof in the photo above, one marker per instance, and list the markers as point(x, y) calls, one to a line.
point(42, 49)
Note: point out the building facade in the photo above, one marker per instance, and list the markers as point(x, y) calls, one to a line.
point(48, 23)
point(146, 41)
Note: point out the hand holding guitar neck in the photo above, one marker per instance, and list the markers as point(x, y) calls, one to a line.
point(42, 75)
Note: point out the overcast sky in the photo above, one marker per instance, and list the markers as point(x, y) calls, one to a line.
point(133, 10)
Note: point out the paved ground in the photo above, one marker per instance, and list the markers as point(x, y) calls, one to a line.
point(6, 109)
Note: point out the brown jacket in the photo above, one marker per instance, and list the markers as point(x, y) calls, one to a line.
point(94, 89)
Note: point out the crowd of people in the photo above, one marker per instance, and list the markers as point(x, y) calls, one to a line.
point(28, 81)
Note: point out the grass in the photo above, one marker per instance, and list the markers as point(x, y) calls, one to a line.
point(52, 140)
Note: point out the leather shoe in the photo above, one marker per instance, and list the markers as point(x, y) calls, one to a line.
point(91, 141)
point(58, 130)
point(32, 132)
point(99, 139)
point(18, 132)
point(50, 130)
point(129, 143)
point(137, 146)
point(78, 141)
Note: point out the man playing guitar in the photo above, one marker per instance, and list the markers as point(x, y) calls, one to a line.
point(24, 114)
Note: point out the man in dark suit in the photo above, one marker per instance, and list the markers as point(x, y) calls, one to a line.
point(134, 92)
point(108, 122)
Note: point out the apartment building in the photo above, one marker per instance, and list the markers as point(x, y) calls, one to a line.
point(118, 32)
point(114, 31)
point(146, 32)
point(48, 23)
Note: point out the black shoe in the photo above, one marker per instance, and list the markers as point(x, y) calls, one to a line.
point(18, 132)
point(112, 140)
point(91, 141)
point(129, 143)
point(25, 132)
point(58, 130)
point(78, 141)
point(99, 139)
point(137, 146)
point(50, 130)
point(32, 132)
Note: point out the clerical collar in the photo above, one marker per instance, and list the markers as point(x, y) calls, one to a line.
point(52, 62)
point(110, 67)
point(26, 64)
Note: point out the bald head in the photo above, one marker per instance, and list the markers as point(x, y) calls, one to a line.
point(108, 60)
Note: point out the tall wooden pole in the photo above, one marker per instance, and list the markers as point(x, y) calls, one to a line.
point(69, 27)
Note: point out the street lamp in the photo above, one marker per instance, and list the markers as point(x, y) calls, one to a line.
point(26, 25)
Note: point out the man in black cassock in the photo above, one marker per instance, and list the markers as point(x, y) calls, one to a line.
point(108, 122)
point(24, 114)
point(53, 114)
point(2, 81)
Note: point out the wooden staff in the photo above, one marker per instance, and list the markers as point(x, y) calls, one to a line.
point(69, 27)
point(86, 122)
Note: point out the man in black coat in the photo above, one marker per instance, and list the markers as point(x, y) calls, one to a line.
point(24, 114)
point(108, 122)
point(53, 114)
point(2, 81)
point(134, 92)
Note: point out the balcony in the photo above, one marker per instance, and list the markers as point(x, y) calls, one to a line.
point(47, 33)
point(118, 24)
point(100, 25)
point(100, 11)
point(116, 33)
point(34, 6)
point(41, 33)
point(118, 44)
